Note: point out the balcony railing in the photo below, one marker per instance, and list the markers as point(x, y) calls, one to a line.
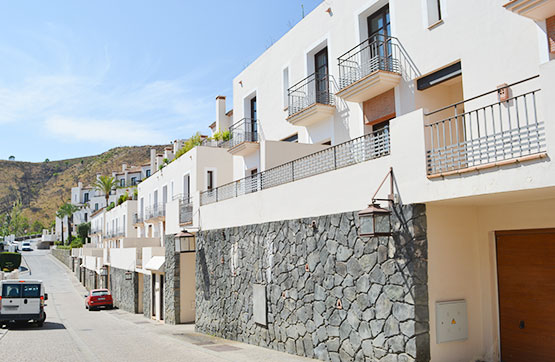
point(379, 52)
point(370, 146)
point(115, 233)
point(245, 130)
point(501, 131)
point(138, 218)
point(185, 210)
point(154, 211)
point(316, 88)
point(208, 142)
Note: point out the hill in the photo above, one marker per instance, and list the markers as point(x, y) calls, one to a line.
point(43, 187)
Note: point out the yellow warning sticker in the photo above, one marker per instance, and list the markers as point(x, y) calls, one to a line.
point(453, 321)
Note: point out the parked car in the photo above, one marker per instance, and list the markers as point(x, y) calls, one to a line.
point(99, 298)
point(22, 301)
point(26, 246)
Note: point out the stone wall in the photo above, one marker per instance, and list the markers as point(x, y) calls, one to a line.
point(171, 282)
point(330, 294)
point(90, 276)
point(125, 292)
point(147, 295)
point(63, 255)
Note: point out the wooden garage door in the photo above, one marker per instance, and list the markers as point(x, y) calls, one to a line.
point(526, 279)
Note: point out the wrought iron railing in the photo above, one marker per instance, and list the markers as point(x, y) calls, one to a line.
point(114, 233)
point(209, 142)
point(370, 146)
point(154, 211)
point(379, 52)
point(496, 132)
point(137, 218)
point(245, 130)
point(316, 88)
point(185, 210)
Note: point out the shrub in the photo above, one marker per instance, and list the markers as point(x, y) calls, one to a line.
point(9, 261)
point(191, 143)
point(63, 247)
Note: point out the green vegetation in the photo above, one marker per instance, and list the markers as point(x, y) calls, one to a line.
point(111, 206)
point(9, 261)
point(67, 209)
point(191, 143)
point(83, 231)
point(11, 158)
point(105, 184)
point(46, 160)
point(13, 222)
point(222, 136)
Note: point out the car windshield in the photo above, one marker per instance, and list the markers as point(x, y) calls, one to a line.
point(100, 292)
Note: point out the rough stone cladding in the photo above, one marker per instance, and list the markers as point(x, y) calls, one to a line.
point(63, 255)
point(90, 276)
point(147, 295)
point(124, 292)
point(171, 282)
point(330, 294)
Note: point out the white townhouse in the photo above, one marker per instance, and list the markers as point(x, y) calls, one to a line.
point(440, 112)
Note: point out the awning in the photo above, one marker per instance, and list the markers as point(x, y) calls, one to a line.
point(156, 263)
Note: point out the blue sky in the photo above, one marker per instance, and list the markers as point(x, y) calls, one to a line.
point(80, 77)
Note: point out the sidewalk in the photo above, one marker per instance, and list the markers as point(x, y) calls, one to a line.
point(218, 348)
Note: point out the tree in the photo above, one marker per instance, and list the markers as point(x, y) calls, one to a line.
point(105, 184)
point(46, 160)
point(37, 227)
point(83, 231)
point(66, 209)
point(11, 158)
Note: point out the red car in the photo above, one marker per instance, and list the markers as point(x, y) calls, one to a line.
point(98, 298)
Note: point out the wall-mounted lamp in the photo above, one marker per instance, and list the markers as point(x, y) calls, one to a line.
point(185, 242)
point(375, 220)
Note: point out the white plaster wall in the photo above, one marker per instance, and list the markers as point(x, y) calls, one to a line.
point(124, 258)
point(278, 152)
point(462, 265)
point(125, 212)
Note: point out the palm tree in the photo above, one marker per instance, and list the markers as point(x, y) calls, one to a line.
point(67, 209)
point(105, 184)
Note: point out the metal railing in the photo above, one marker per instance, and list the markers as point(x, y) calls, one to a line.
point(209, 142)
point(368, 147)
point(185, 210)
point(496, 132)
point(137, 218)
point(154, 211)
point(114, 233)
point(316, 88)
point(245, 130)
point(379, 52)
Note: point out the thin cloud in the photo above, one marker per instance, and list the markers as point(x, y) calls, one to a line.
point(105, 131)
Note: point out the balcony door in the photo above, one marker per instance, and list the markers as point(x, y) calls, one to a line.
point(379, 32)
point(321, 76)
point(252, 127)
point(186, 186)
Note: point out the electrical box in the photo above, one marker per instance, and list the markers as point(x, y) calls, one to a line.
point(259, 304)
point(451, 321)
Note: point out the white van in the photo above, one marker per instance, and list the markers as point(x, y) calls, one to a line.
point(23, 301)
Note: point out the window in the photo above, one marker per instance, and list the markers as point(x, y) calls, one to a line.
point(285, 87)
point(133, 181)
point(380, 126)
point(434, 11)
point(293, 138)
point(147, 173)
point(122, 182)
point(11, 291)
point(86, 197)
point(209, 180)
point(96, 206)
point(31, 291)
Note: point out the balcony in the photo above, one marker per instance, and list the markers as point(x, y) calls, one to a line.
point(243, 137)
point(209, 142)
point(371, 68)
point(185, 209)
point(155, 212)
point(138, 219)
point(534, 9)
point(311, 100)
point(361, 149)
point(498, 134)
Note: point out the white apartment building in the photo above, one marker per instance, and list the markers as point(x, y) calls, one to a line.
point(455, 97)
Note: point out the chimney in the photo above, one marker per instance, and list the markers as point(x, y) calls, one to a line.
point(123, 167)
point(152, 161)
point(98, 176)
point(222, 121)
point(80, 184)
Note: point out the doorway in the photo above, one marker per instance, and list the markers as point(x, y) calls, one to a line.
point(321, 76)
point(526, 287)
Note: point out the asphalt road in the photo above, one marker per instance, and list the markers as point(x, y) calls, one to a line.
point(72, 333)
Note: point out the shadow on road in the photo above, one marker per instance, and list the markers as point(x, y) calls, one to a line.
point(46, 326)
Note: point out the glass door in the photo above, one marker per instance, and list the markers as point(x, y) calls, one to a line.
point(379, 31)
point(321, 76)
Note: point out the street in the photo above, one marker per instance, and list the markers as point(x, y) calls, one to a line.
point(72, 333)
